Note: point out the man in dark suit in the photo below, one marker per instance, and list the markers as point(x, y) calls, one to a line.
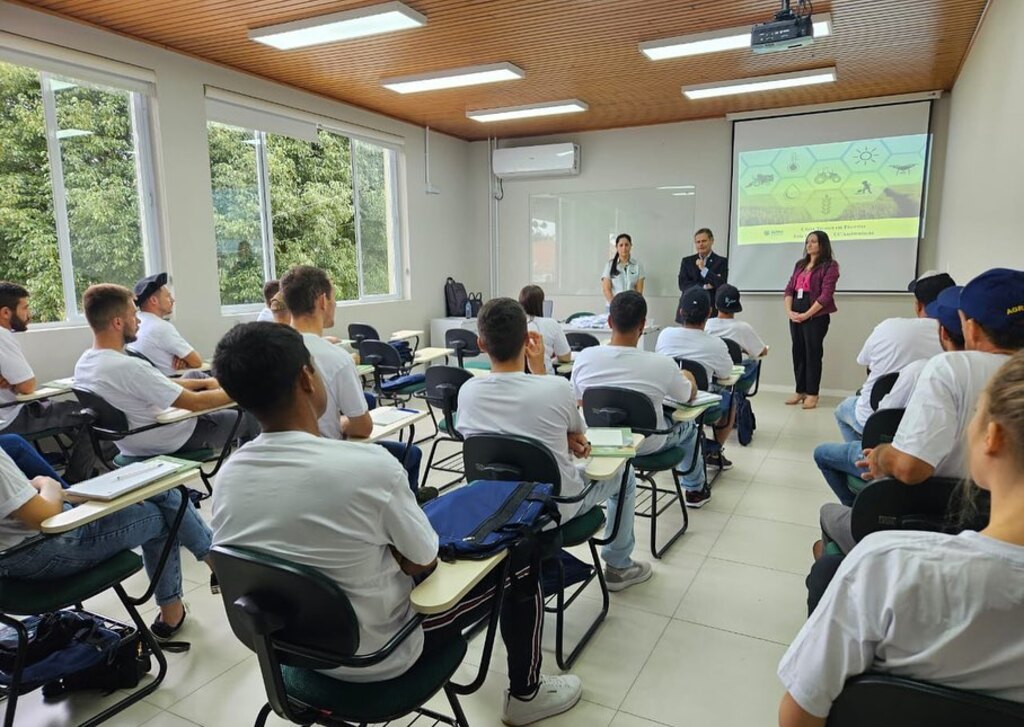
point(705, 269)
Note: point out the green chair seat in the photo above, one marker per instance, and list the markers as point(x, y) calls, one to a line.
point(442, 425)
point(485, 365)
point(20, 597)
point(713, 414)
point(856, 484)
point(408, 390)
point(364, 702)
point(582, 527)
point(832, 549)
point(660, 461)
point(194, 455)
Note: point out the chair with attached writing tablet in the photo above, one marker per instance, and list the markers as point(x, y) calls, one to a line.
point(579, 341)
point(610, 406)
point(391, 378)
point(360, 332)
point(880, 428)
point(107, 424)
point(735, 352)
point(509, 458)
point(442, 393)
point(299, 622)
point(466, 344)
point(883, 385)
point(707, 417)
point(933, 505)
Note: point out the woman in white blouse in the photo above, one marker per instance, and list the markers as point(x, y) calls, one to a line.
point(622, 272)
point(556, 346)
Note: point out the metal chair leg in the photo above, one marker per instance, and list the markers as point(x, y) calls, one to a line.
point(656, 510)
point(565, 663)
point(19, 665)
point(261, 718)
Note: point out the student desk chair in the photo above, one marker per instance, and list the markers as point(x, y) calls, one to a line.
point(465, 344)
point(20, 597)
point(442, 393)
point(880, 428)
point(883, 385)
point(49, 390)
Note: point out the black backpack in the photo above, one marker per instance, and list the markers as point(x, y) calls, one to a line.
point(476, 302)
point(455, 298)
point(746, 422)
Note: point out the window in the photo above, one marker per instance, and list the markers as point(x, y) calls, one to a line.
point(319, 198)
point(76, 203)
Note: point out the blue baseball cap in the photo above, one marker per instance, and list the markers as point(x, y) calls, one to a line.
point(995, 299)
point(946, 309)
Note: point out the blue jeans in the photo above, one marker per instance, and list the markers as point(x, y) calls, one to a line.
point(29, 461)
point(846, 419)
point(684, 434)
point(836, 461)
point(144, 524)
point(412, 464)
point(618, 553)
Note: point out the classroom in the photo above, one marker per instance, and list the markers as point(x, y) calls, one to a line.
point(301, 301)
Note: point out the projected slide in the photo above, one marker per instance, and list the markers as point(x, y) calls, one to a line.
point(868, 189)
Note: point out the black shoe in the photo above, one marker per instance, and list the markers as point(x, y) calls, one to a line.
point(214, 584)
point(697, 498)
point(717, 459)
point(426, 494)
point(163, 631)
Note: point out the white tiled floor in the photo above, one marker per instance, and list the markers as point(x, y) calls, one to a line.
point(696, 645)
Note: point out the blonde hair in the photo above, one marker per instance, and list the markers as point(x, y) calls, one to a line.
point(1005, 399)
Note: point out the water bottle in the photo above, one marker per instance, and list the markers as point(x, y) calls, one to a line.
point(469, 309)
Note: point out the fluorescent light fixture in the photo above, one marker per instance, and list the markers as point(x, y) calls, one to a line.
point(717, 40)
point(683, 194)
point(681, 186)
point(72, 133)
point(359, 23)
point(510, 113)
point(455, 78)
point(761, 83)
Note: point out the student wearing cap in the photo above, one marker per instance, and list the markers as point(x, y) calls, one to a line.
point(930, 439)
point(704, 269)
point(810, 302)
point(270, 289)
point(158, 340)
point(691, 342)
point(17, 377)
point(893, 344)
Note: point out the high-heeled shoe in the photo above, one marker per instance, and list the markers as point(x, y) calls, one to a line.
point(795, 399)
point(811, 402)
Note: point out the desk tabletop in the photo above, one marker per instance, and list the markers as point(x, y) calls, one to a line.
point(364, 369)
point(690, 413)
point(383, 431)
point(92, 510)
point(45, 391)
point(431, 353)
point(405, 334)
point(450, 582)
point(601, 468)
point(173, 414)
point(564, 368)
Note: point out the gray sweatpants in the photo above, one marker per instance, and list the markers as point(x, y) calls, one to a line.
point(837, 525)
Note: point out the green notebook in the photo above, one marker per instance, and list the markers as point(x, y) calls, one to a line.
point(611, 442)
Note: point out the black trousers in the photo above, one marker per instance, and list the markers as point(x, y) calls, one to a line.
point(822, 572)
point(808, 350)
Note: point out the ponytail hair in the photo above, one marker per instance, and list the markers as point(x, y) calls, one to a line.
point(614, 271)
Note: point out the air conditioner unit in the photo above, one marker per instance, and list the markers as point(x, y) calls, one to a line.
point(549, 160)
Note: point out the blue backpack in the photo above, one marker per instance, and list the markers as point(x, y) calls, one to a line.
point(746, 423)
point(488, 516)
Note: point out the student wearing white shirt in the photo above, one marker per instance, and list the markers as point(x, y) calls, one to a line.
point(623, 271)
point(270, 289)
point(17, 377)
point(309, 295)
point(622, 364)
point(894, 343)
point(141, 392)
point(158, 340)
point(947, 609)
point(725, 325)
point(929, 441)
point(543, 408)
point(691, 342)
point(556, 345)
point(344, 509)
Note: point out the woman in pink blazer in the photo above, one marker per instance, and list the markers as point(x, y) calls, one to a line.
point(809, 305)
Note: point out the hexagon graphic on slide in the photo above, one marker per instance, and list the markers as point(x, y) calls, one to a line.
point(758, 180)
point(828, 152)
point(907, 144)
point(826, 204)
point(792, 163)
point(829, 174)
point(864, 186)
point(903, 169)
point(792, 192)
point(866, 156)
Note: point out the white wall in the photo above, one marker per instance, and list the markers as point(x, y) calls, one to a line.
point(439, 235)
point(980, 225)
point(700, 153)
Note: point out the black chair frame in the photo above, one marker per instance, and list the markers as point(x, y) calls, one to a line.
point(359, 332)
point(700, 375)
point(609, 406)
point(888, 504)
point(735, 352)
point(265, 620)
point(442, 392)
point(465, 344)
point(387, 364)
point(510, 458)
point(107, 424)
point(882, 386)
point(580, 341)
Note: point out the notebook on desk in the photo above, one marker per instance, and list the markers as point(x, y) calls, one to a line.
point(127, 479)
point(611, 442)
point(703, 398)
point(387, 415)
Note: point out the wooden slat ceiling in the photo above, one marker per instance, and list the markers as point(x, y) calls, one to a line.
point(584, 49)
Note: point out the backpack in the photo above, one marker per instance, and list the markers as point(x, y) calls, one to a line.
point(455, 298)
point(746, 422)
point(476, 302)
point(488, 516)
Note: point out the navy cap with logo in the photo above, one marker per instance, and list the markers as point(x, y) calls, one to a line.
point(727, 299)
point(695, 303)
point(946, 309)
point(995, 299)
point(927, 286)
point(149, 285)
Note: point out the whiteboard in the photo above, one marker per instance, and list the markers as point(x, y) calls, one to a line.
point(572, 236)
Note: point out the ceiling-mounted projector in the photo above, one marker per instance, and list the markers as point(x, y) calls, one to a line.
point(787, 30)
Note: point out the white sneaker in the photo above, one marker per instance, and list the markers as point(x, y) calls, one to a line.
point(554, 696)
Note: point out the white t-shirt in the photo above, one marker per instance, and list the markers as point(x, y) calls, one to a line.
point(893, 344)
point(541, 408)
point(698, 346)
point(159, 341)
point(947, 609)
point(629, 275)
point(141, 392)
point(266, 316)
point(336, 507)
point(15, 491)
point(739, 331)
point(344, 391)
point(15, 368)
point(555, 342)
point(947, 391)
point(651, 374)
point(899, 395)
